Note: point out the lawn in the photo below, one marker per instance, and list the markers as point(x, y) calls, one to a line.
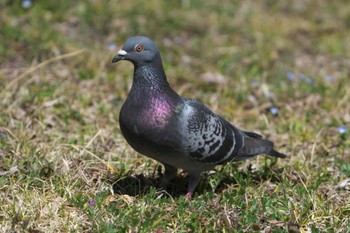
point(278, 68)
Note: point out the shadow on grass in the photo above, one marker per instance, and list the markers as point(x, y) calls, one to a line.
point(136, 185)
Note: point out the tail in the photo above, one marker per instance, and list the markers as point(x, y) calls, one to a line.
point(275, 153)
point(254, 145)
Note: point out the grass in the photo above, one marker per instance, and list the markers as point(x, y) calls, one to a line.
point(64, 165)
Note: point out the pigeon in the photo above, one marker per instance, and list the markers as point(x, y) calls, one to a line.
point(178, 132)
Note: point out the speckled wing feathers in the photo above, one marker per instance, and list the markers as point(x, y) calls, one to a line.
point(210, 139)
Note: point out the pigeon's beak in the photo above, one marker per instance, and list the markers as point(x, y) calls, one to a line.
point(120, 56)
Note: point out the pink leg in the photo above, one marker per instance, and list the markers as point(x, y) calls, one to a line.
point(169, 173)
point(188, 196)
point(193, 182)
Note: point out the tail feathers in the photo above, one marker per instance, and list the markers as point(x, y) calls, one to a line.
point(275, 153)
point(252, 134)
point(255, 145)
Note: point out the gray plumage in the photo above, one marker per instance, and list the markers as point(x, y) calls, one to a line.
point(176, 131)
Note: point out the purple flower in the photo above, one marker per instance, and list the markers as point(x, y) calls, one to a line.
point(305, 78)
point(92, 202)
point(255, 84)
point(329, 78)
point(274, 110)
point(342, 129)
point(26, 4)
point(268, 94)
point(290, 76)
point(3, 135)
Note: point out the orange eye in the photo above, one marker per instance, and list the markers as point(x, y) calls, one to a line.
point(138, 48)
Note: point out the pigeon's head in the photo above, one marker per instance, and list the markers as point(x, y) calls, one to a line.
point(138, 50)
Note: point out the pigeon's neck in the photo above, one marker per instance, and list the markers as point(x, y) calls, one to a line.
point(151, 101)
point(150, 75)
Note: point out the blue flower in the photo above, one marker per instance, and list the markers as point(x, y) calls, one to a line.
point(290, 76)
point(268, 94)
point(329, 78)
point(26, 4)
point(306, 78)
point(3, 135)
point(255, 84)
point(274, 110)
point(112, 46)
point(342, 129)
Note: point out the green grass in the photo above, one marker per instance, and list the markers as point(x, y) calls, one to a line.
point(65, 167)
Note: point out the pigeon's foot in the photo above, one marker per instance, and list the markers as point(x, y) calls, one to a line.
point(161, 188)
point(188, 196)
point(169, 173)
point(163, 184)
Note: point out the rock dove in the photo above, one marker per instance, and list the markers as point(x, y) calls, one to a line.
point(174, 130)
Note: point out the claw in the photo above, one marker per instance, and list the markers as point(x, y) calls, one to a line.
point(188, 196)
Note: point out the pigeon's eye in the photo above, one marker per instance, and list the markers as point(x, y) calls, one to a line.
point(138, 48)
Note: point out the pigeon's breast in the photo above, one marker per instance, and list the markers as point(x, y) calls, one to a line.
point(150, 116)
point(150, 127)
point(157, 114)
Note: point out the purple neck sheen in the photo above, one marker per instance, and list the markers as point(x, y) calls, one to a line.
point(158, 113)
